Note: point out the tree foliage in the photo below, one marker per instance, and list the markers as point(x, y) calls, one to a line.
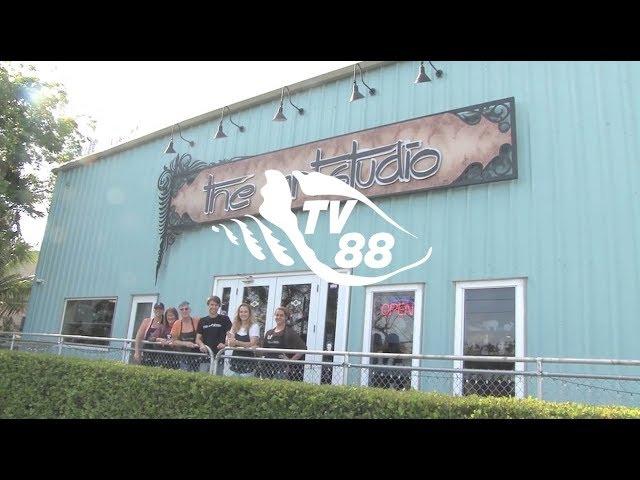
point(14, 287)
point(33, 134)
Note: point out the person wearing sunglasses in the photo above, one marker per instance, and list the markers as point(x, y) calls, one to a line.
point(183, 334)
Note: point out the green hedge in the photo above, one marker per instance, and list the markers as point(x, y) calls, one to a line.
point(47, 386)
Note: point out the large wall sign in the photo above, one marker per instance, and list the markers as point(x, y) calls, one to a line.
point(460, 147)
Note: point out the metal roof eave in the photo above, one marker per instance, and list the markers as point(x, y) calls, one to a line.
point(235, 107)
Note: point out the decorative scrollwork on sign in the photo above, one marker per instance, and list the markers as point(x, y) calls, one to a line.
point(499, 113)
point(501, 167)
point(182, 170)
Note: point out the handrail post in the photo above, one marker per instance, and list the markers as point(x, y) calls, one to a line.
point(214, 362)
point(13, 339)
point(539, 372)
point(211, 359)
point(345, 369)
point(124, 351)
point(60, 340)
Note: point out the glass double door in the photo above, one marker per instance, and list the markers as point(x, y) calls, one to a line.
point(312, 303)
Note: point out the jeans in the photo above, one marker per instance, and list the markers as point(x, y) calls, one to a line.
point(188, 365)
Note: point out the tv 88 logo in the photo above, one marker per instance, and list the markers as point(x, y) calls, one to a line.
point(351, 254)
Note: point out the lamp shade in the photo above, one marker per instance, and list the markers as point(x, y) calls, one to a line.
point(279, 116)
point(422, 76)
point(355, 94)
point(220, 133)
point(170, 148)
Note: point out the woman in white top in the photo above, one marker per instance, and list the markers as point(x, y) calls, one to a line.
point(245, 332)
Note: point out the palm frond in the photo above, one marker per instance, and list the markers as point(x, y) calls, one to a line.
point(14, 293)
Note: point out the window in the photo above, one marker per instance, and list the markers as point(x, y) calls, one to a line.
point(224, 308)
point(88, 317)
point(490, 322)
point(392, 325)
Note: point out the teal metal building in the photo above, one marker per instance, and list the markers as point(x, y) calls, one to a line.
point(542, 263)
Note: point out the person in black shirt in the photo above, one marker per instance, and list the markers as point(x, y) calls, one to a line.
point(285, 337)
point(212, 330)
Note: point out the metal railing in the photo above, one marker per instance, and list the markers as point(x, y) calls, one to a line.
point(580, 380)
point(583, 380)
point(122, 350)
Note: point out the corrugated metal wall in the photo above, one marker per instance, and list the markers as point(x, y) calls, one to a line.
point(569, 223)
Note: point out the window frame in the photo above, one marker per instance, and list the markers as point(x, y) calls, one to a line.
point(418, 291)
point(520, 310)
point(64, 312)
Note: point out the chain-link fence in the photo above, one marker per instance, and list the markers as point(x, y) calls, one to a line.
point(275, 364)
point(153, 354)
point(592, 381)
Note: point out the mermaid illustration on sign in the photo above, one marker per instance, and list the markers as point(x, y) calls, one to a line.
point(276, 209)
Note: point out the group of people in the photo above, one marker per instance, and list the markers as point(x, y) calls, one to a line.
point(169, 331)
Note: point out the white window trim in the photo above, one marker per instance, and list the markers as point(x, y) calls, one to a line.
point(137, 299)
point(417, 289)
point(340, 342)
point(519, 284)
point(238, 276)
point(64, 311)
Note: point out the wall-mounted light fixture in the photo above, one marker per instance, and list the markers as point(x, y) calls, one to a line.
point(422, 75)
point(169, 148)
point(220, 133)
point(279, 116)
point(355, 94)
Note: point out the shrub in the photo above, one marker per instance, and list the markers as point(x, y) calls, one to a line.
point(48, 386)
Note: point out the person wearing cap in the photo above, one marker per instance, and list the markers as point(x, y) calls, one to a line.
point(212, 330)
point(183, 335)
point(151, 330)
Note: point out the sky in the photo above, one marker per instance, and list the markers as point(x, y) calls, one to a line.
point(127, 100)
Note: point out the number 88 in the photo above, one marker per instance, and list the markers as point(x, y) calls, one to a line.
point(354, 251)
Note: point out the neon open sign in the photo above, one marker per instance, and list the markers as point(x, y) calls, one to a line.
point(399, 308)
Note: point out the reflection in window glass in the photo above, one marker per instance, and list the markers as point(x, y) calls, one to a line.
point(392, 332)
point(91, 318)
point(226, 294)
point(489, 330)
point(258, 298)
point(297, 299)
point(143, 310)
